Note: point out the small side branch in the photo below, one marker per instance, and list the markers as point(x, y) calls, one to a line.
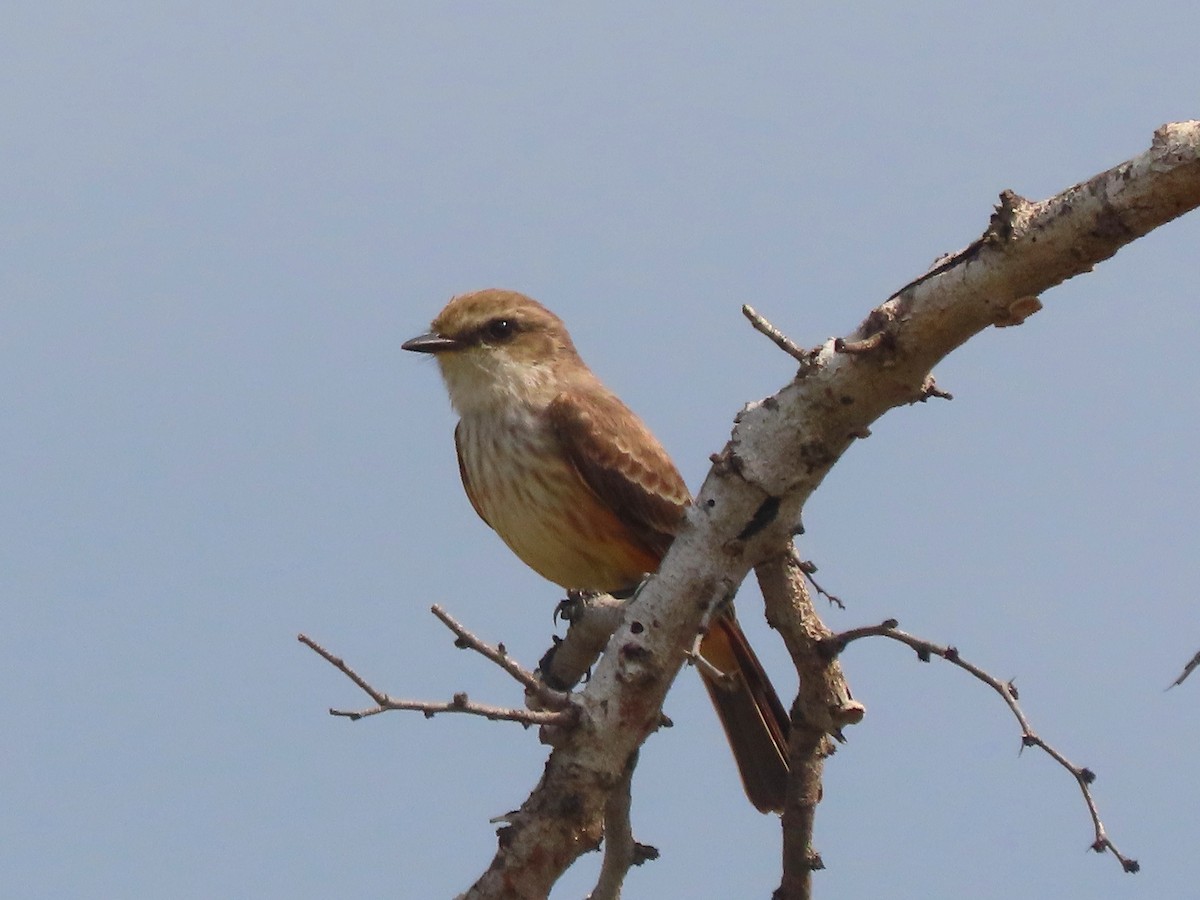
point(865, 345)
point(548, 697)
point(781, 340)
point(809, 568)
point(556, 707)
point(1187, 670)
point(1007, 690)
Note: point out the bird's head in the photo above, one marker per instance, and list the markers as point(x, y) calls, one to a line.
point(497, 348)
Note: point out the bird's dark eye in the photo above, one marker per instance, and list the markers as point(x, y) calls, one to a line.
point(500, 329)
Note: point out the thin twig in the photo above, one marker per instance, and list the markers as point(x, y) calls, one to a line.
point(926, 649)
point(1187, 670)
point(459, 704)
point(809, 568)
point(533, 685)
point(781, 340)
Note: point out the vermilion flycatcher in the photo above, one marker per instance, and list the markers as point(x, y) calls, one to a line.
point(583, 493)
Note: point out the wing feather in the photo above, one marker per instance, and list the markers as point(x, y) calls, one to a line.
point(622, 463)
point(462, 472)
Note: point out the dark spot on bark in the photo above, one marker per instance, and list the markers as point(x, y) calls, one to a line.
point(763, 516)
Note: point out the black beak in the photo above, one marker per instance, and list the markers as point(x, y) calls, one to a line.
point(432, 343)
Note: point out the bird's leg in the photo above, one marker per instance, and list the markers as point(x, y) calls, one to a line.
point(726, 680)
point(573, 605)
point(696, 658)
point(593, 617)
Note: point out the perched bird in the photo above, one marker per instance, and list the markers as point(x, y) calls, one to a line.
point(583, 493)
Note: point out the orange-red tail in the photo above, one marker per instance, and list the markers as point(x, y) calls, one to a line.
point(755, 722)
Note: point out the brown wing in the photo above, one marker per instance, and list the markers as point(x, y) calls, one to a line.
point(622, 462)
point(462, 472)
point(627, 468)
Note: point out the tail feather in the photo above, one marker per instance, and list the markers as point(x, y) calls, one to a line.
point(755, 721)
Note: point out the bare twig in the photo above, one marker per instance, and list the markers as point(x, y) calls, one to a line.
point(556, 705)
point(781, 340)
point(1187, 670)
point(809, 568)
point(926, 649)
point(864, 345)
point(547, 696)
point(461, 704)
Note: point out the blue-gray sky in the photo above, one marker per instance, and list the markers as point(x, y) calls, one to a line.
point(220, 222)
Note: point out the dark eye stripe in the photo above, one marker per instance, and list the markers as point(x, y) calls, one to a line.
point(499, 329)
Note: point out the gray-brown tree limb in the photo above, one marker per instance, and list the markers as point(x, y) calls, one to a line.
point(822, 709)
point(780, 451)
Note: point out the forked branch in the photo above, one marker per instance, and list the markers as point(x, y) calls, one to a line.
point(556, 706)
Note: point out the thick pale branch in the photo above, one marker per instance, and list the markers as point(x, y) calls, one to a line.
point(782, 448)
point(593, 618)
